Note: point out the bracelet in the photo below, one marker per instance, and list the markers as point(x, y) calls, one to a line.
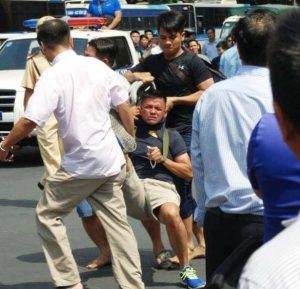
point(3, 149)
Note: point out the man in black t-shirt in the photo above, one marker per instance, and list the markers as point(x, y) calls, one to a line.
point(182, 78)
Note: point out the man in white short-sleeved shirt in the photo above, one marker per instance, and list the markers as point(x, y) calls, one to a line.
point(80, 92)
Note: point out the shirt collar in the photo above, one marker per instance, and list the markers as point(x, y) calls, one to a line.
point(253, 70)
point(66, 54)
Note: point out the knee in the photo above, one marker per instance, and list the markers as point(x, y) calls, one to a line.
point(169, 215)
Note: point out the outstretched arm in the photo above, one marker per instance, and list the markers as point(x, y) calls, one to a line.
point(145, 77)
point(21, 130)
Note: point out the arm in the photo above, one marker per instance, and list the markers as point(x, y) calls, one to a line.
point(198, 172)
point(22, 128)
point(180, 167)
point(126, 116)
point(145, 77)
point(115, 22)
point(191, 99)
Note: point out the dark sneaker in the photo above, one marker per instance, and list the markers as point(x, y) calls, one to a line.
point(189, 277)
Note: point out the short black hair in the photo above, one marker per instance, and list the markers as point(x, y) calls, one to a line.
point(210, 28)
point(53, 33)
point(143, 36)
point(148, 30)
point(105, 48)
point(148, 91)
point(284, 62)
point(171, 21)
point(252, 33)
point(222, 44)
point(134, 31)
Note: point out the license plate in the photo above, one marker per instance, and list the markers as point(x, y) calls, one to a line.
point(1, 115)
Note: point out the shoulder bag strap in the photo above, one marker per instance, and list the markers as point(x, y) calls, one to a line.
point(182, 76)
point(166, 141)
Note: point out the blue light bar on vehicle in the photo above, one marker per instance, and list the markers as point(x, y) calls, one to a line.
point(30, 23)
point(72, 22)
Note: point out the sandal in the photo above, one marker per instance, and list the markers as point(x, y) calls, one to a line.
point(162, 259)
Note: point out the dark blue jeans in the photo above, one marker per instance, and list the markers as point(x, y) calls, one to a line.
point(184, 188)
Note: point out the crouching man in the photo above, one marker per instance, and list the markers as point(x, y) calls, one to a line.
point(160, 157)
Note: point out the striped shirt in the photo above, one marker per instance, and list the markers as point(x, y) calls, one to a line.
point(223, 120)
point(276, 264)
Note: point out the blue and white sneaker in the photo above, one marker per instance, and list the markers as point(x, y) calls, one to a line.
point(189, 277)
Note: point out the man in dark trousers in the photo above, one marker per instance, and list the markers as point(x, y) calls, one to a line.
point(182, 78)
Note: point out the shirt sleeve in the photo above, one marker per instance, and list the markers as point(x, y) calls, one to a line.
point(177, 144)
point(90, 9)
point(118, 91)
point(44, 100)
point(29, 78)
point(198, 173)
point(199, 70)
point(142, 66)
point(251, 156)
point(117, 6)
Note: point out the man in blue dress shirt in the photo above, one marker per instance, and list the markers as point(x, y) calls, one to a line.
point(223, 121)
point(110, 9)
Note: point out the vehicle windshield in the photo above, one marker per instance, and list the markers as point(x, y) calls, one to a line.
point(13, 53)
point(226, 29)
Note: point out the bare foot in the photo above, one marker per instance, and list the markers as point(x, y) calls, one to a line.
point(197, 252)
point(99, 262)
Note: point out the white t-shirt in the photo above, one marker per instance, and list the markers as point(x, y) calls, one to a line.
point(80, 91)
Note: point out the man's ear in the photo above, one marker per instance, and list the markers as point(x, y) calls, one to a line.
point(71, 42)
point(183, 35)
point(166, 114)
point(105, 60)
point(42, 45)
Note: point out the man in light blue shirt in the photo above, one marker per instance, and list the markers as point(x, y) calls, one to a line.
point(210, 47)
point(230, 61)
point(222, 124)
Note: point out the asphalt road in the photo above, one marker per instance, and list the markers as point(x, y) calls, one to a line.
point(22, 261)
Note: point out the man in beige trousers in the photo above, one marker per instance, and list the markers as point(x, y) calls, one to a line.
point(50, 145)
point(93, 165)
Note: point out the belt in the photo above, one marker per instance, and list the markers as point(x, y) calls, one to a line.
point(241, 217)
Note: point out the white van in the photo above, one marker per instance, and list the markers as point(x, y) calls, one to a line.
point(13, 55)
point(228, 24)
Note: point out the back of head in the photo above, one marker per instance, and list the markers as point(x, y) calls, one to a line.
point(54, 33)
point(284, 63)
point(105, 48)
point(171, 21)
point(252, 33)
point(42, 20)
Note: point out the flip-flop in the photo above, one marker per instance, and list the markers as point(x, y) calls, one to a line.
point(163, 256)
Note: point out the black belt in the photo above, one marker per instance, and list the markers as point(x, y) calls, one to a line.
point(242, 217)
